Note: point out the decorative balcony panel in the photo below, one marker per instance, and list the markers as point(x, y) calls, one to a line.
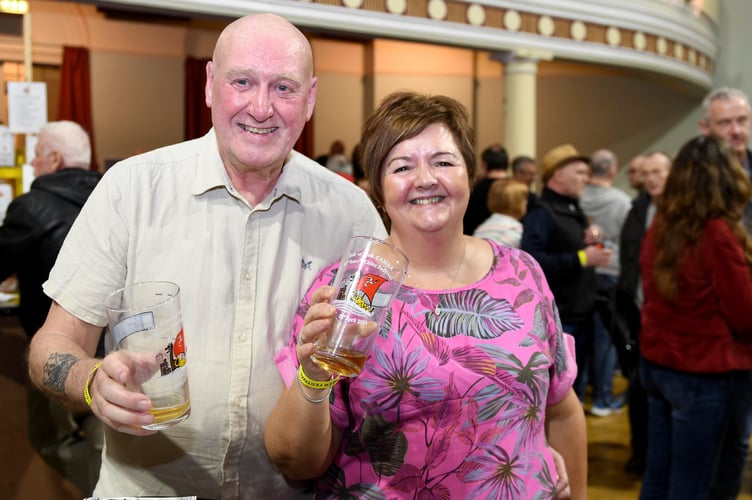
point(649, 35)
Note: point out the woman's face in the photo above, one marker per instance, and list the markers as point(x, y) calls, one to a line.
point(425, 183)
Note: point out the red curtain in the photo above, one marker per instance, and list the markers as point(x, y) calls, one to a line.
point(197, 113)
point(75, 93)
point(305, 141)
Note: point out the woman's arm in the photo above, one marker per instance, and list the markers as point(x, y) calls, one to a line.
point(300, 438)
point(566, 432)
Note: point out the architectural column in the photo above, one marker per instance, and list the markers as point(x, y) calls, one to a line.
point(520, 73)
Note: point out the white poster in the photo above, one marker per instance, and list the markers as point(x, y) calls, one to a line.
point(27, 106)
point(7, 147)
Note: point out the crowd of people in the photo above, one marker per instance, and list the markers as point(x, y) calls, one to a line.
point(529, 284)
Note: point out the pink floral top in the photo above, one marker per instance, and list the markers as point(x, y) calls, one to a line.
point(451, 402)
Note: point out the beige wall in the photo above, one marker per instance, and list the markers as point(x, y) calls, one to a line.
point(354, 77)
point(339, 67)
point(137, 103)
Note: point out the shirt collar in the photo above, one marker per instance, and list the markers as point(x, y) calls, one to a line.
point(212, 174)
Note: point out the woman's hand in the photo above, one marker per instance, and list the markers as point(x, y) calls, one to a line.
point(316, 323)
point(562, 485)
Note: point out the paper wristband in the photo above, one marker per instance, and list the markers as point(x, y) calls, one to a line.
point(315, 384)
point(89, 378)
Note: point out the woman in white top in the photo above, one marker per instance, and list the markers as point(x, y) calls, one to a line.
point(507, 201)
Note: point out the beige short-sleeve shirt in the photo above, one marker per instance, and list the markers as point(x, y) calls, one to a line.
point(172, 214)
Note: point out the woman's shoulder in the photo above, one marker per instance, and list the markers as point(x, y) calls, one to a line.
point(504, 255)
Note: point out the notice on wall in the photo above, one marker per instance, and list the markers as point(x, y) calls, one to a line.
point(7, 147)
point(27, 106)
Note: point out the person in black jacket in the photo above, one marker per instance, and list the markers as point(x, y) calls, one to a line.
point(31, 235)
point(654, 170)
point(495, 164)
point(559, 236)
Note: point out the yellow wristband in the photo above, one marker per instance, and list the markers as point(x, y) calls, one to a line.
point(89, 378)
point(315, 384)
point(583, 258)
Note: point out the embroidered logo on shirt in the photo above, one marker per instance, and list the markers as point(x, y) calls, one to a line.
point(306, 264)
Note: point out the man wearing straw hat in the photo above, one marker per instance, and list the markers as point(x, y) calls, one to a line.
point(559, 236)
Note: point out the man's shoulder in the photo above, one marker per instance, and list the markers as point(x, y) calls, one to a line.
point(318, 179)
point(177, 153)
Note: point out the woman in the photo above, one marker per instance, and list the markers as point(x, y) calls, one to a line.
point(470, 377)
point(507, 201)
point(696, 327)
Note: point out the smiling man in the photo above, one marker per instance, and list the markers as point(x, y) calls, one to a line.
point(242, 223)
point(726, 114)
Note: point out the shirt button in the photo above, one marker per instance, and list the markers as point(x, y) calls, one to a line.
point(243, 338)
point(238, 402)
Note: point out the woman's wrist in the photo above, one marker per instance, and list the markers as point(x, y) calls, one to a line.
point(316, 384)
point(306, 384)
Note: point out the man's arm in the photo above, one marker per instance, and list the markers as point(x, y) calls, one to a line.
point(61, 361)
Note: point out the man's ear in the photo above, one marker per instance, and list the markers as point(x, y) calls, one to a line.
point(703, 123)
point(57, 161)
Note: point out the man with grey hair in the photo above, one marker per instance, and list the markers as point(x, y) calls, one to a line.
point(726, 114)
point(30, 238)
point(607, 208)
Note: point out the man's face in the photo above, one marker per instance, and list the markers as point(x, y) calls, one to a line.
point(46, 160)
point(526, 174)
point(261, 93)
point(655, 169)
point(634, 172)
point(729, 119)
point(572, 178)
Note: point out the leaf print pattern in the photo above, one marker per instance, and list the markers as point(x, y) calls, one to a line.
point(452, 405)
point(538, 331)
point(398, 376)
point(499, 475)
point(436, 347)
point(473, 313)
point(332, 485)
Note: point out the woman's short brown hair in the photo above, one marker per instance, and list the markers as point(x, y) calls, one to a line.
point(404, 115)
point(508, 197)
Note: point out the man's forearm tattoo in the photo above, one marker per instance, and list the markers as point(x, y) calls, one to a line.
point(56, 370)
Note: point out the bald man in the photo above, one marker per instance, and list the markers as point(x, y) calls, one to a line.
point(235, 219)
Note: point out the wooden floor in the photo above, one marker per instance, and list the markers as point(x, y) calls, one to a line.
point(609, 450)
point(24, 476)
